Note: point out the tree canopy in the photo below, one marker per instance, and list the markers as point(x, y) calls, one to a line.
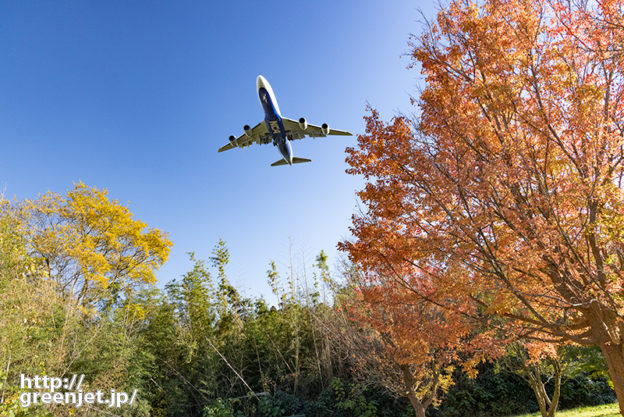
point(504, 194)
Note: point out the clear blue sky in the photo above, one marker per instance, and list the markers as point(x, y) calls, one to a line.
point(137, 97)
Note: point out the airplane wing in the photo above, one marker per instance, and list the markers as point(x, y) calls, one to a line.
point(294, 131)
point(259, 134)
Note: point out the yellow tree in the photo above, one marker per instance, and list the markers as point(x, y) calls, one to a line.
point(47, 268)
point(91, 247)
point(507, 192)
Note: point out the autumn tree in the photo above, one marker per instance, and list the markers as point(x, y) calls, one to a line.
point(506, 191)
point(91, 247)
point(401, 341)
point(538, 372)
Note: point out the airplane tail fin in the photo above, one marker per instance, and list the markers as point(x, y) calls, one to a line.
point(280, 162)
point(295, 161)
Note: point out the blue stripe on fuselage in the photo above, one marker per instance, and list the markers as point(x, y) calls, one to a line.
point(271, 117)
point(275, 125)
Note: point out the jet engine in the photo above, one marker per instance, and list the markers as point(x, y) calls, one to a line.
point(303, 124)
point(325, 129)
point(233, 140)
point(247, 130)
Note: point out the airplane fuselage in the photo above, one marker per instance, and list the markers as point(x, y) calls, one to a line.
point(273, 118)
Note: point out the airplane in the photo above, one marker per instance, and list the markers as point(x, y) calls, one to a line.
point(277, 129)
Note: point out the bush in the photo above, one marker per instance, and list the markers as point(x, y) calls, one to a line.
point(491, 393)
point(585, 390)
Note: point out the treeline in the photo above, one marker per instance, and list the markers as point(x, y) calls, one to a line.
point(78, 297)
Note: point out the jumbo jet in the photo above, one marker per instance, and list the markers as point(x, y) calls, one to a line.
point(277, 129)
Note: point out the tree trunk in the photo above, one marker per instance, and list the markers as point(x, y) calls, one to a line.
point(408, 379)
point(554, 404)
point(614, 355)
point(540, 394)
point(419, 410)
point(547, 406)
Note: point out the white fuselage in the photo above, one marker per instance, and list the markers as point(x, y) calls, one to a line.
point(273, 118)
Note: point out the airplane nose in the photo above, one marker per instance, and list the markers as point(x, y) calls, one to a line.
point(261, 82)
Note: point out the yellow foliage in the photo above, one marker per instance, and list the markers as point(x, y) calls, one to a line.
point(91, 246)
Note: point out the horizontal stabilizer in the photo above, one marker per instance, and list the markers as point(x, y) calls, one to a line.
point(294, 161)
